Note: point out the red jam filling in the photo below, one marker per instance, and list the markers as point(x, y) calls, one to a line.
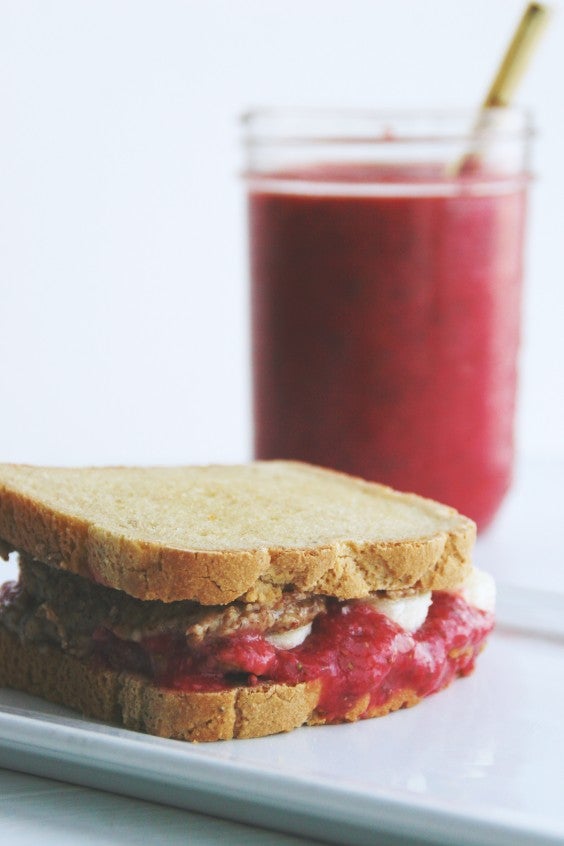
point(354, 650)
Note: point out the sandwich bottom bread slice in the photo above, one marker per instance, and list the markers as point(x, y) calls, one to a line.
point(207, 603)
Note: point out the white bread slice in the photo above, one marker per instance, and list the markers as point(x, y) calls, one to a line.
point(214, 534)
point(138, 704)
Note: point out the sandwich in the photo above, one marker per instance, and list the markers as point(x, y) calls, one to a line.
point(216, 602)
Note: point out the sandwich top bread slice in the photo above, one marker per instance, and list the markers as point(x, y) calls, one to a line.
point(206, 603)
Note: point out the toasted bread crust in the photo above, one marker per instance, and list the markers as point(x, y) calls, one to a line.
point(135, 703)
point(437, 558)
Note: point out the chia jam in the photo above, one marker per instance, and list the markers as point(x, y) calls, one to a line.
point(354, 652)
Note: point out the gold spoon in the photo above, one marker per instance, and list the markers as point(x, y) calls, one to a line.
point(509, 74)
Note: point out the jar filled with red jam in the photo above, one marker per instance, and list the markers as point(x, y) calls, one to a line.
point(386, 255)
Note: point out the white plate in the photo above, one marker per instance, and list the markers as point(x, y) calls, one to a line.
point(479, 763)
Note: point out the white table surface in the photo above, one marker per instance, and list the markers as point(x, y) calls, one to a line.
point(40, 811)
point(521, 548)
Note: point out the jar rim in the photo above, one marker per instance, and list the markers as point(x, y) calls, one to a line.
point(330, 125)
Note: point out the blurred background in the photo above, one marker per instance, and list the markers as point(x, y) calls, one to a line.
point(123, 268)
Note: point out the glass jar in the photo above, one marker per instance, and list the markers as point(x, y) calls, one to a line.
point(386, 255)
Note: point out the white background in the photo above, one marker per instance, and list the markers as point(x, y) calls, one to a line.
point(124, 326)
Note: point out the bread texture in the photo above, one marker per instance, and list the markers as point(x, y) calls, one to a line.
point(135, 703)
point(217, 533)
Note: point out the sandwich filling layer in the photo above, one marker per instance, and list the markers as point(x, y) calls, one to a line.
point(363, 652)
